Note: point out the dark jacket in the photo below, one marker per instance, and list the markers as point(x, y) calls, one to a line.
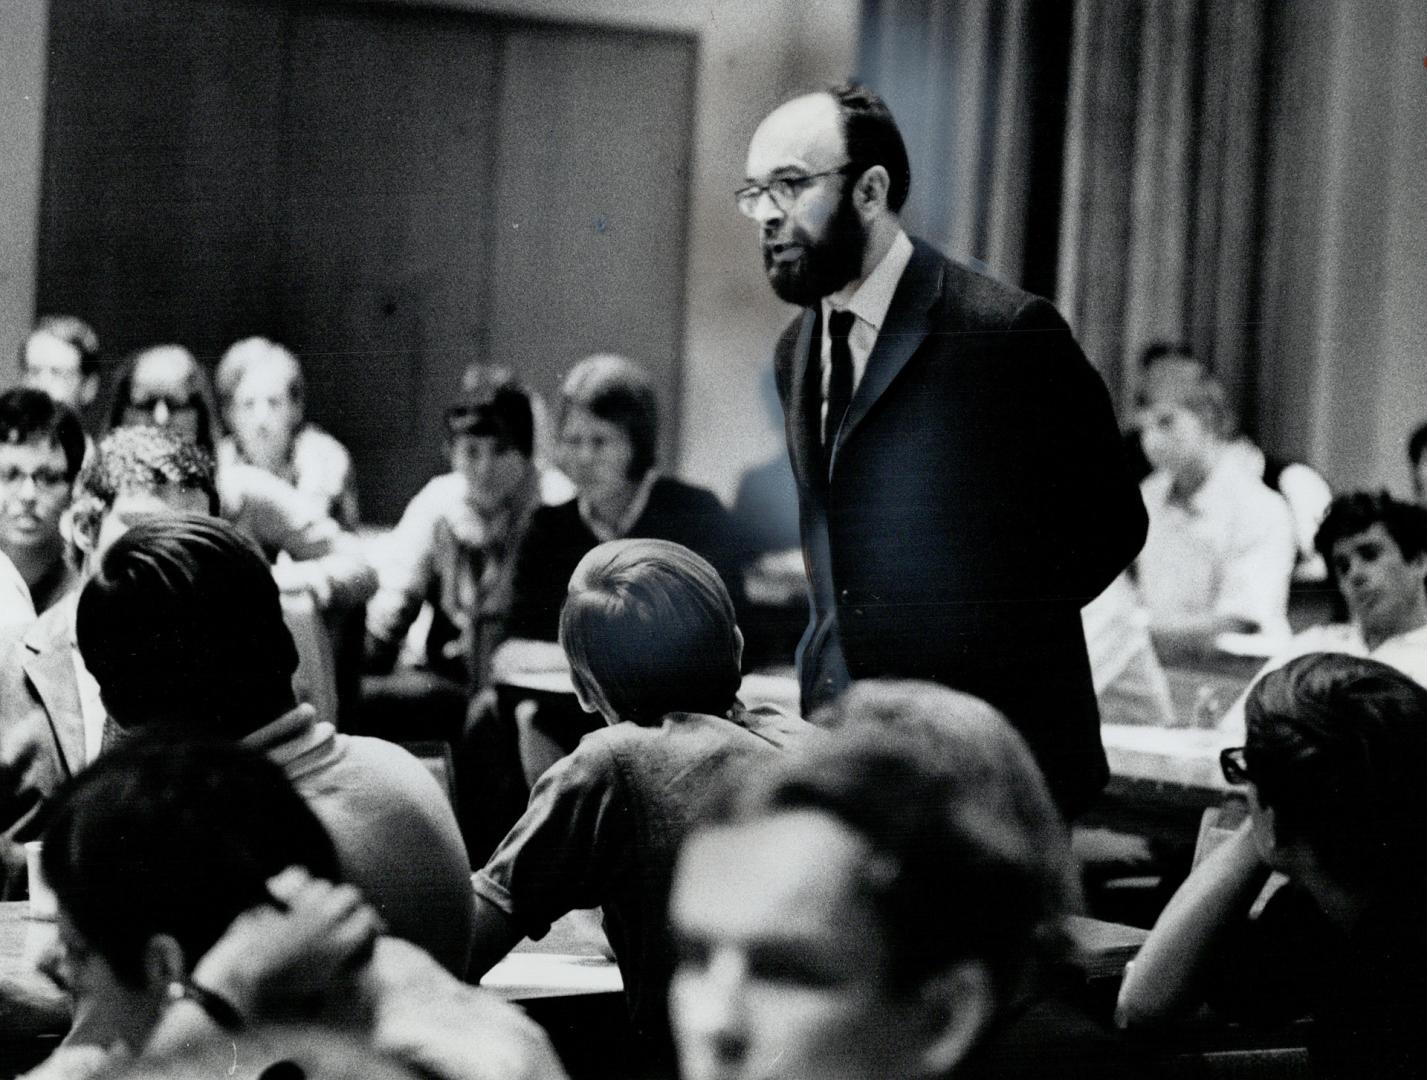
point(977, 497)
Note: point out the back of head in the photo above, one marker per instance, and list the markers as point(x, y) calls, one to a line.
point(619, 391)
point(943, 789)
point(141, 460)
point(872, 138)
point(174, 838)
point(499, 411)
point(32, 416)
point(649, 629)
point(181, 624)
point(1356, 512)
point(1181, 382)
point(1337, 748)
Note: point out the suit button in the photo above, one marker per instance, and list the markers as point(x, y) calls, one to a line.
point(845, 595)
point(857, 612)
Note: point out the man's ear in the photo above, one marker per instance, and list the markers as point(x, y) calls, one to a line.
point(956, 1007)
point(164, 962)
point(88, 389)
point(85, 513)
point(870, 190)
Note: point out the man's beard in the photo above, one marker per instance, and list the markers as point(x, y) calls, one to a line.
point(826, 264)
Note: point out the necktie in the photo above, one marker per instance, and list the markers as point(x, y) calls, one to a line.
point(839, 387)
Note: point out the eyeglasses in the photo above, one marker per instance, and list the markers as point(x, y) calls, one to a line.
point(783, 190)
point(1235, 768)
point(172, 404)
point(46, 480)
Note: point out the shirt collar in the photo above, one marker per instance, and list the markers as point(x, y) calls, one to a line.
point(870, 298)
point(631, 514)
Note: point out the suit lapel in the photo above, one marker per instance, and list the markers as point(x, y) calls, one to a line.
point(907, 324)
point(50, 669)
point(805, 399)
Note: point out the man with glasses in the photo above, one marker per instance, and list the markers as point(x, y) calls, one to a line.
point(1333, 768)
point(962, 486)
point(41, 450)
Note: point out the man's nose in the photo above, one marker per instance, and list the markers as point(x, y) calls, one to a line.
point(161, 414)
point(719, 1010)
point(767, 212)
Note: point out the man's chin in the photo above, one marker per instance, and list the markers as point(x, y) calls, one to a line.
point(792, 286)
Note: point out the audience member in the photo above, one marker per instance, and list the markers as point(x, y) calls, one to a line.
point(1417, 458)
point(190, 880)
point(61, 357)
point(1335, 765)
point(609, 434)
point(653, 647)
point(456, 541)
point(890, 904)
point(1303, 489)
point(263, 395)
point(41, 450)
point(1220, 548)
point(1376, 549)
point(52, 722)
point(183, 630)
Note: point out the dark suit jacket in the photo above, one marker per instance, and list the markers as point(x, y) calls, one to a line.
point(977, 497)
point(41, 727)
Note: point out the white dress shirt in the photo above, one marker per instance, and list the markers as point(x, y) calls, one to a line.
point(868, 300)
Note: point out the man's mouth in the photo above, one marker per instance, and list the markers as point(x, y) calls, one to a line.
point(780, 252)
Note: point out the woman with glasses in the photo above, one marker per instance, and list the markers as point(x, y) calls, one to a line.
point(1334, 768)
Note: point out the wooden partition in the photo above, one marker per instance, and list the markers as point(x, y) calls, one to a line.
point(393, 191)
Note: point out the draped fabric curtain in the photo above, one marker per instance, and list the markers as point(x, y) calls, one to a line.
point(978, 88)
point(1242, 175)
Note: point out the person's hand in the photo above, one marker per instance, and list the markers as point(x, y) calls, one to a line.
point(271, 964)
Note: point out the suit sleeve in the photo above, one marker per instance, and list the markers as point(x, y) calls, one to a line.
point(1093, 516)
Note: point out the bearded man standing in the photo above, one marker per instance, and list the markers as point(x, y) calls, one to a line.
point(961, 482)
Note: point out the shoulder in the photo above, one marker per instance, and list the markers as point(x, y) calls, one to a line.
point(983, 301)
point(382, 766)
point(311, 442)
point(670, 492)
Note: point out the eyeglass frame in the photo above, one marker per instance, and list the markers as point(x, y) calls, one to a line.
point(173, 404)
point(746, 198)
point(1234, 767)
point(46, 481)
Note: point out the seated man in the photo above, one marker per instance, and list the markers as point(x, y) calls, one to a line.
point(41, 449)
point(889, 905)
point(1335, 766)
point(182, 627)
point(1376, 549)
point(1220, 548)
point(457, 539)
point(263, 395)
point(649, 631)
point(189, 880)
point(61, 357)
point(51, 718)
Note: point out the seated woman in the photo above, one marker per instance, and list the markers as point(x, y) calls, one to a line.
point(653, 647)
point(194, 896)
point(1335, 767)
point(609, 433)
point(263, 395)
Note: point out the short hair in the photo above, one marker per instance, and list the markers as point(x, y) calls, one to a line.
point(1160, 349)
point(649, 626)
point(502, 413)
point(1336, 745)
point(158, 837)
point(1357, 511)
point(141, 459)
point(1182, 382)
point(1417, 445)
point(76, 333)
point(182, 625)
point(209, 420)
point(242, 356)
point(28, 416)
point(949, 798)
point(620, 392)
point(872, 138)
